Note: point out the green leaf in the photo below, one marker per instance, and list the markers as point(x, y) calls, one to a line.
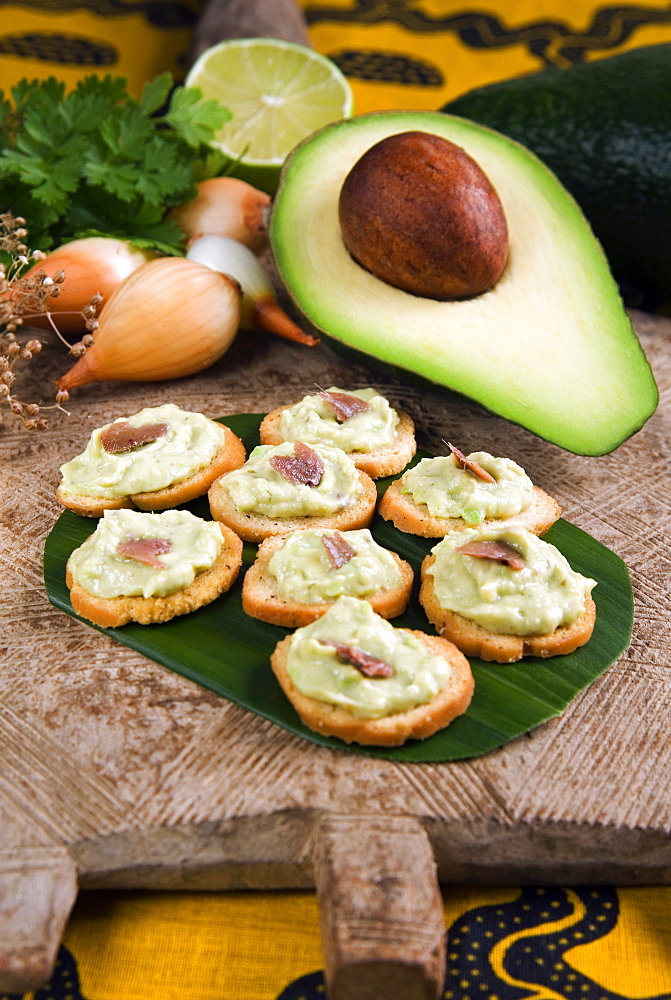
point(210, 165)
point(161, 161)
point(85, 111)
point(38, 126)
point(226, 651)
point(125, 134)
point(155, 93)
point(48, 182)
point(194, 119)
point(5, 118)
point(96, 158)
point(118, 180)
point(48, 191)
point(37, 93)
point(21, 203)
point(113, 89)
point(164, 236)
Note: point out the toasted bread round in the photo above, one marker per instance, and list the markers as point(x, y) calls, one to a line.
point(389, 730)
point(414, 518)
point(261, 600)
point(384, 461)
point(474, 640)
point(256, 527)
point(111, 612)
point(230, 456)
point(92, 506)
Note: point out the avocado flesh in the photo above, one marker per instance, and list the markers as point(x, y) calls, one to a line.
point(549, 346)
point(603, 128)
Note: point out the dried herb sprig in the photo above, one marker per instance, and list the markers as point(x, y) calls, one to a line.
point(25, 296)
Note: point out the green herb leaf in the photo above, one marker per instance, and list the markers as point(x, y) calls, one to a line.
point(213, 164)
point(194, 119)
point(160, 160)
point(112, 89)
point(155, 93)
point(118, 179)
point(98, 160)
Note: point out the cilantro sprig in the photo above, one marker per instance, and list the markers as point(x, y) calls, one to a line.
point(96, 161)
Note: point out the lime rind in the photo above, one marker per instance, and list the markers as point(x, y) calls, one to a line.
point(278, 93)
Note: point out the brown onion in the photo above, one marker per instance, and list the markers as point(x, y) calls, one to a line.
point(171, 317)
point(94, 265)
point(226, 206)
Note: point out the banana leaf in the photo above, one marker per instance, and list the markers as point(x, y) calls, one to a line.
point(226, 651)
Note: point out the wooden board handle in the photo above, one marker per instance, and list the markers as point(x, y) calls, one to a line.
point(37, 889)
point(381, 912)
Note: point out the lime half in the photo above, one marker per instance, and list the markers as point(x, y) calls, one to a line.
point(278, 93)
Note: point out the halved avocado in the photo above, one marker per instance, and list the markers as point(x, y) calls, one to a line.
point(549, 347)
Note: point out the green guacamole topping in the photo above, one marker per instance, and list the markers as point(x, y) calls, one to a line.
point(317, 670)
point(190, 443)
point(447, 490)
point(314, 421)
point(302, 572)
point(100, 570)
point(534, 600)
point(258, 488)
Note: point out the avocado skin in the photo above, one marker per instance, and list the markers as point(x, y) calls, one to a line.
point(604, 129)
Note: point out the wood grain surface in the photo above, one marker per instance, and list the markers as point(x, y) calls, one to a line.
point(117, 772)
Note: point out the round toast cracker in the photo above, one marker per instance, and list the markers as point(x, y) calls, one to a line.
point(389, 730)
point(261, 600)
point(256, 527)
point(474, 640)
point(384, 461)
point(414, 518)
point(112, 612)
point(230, 456)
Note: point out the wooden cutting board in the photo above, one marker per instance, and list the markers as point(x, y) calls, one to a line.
point(117, 772)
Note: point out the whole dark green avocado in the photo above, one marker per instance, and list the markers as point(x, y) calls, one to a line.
point(604, 128)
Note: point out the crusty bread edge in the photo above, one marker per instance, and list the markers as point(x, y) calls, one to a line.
point(230, 456)
point(261, 601)
point(91, 506)
point(384, 461)
point(414, 519)
point(112, 612)
point(256, 527)
point(390, 730)
point(473, 640)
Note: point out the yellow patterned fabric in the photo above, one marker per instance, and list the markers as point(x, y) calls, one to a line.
point(70, 38)
point(422, 53)
point(502, 944)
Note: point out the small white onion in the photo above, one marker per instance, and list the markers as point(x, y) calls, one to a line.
point(260, 308)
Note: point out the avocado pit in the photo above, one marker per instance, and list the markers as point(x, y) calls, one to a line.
point(420, 214)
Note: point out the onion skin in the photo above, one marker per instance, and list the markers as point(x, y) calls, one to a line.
point(92, 265)
point(169, 318)
point(260, 308)
point(226, 206)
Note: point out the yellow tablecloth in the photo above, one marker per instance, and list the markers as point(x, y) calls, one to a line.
point(70, 38)
point(396, 53)
point(503, 944)
point(423, 53)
